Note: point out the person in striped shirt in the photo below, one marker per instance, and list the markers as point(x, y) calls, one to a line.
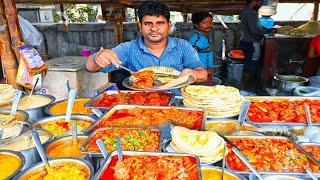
point(153, 48)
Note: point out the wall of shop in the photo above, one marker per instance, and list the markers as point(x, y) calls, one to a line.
point(59, 42)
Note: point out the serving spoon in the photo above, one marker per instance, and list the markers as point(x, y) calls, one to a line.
point(310, 130)
point(102, 148)
point(32, 89)
point(71, 98)
point(242, 116)
point(223, 160)
point(41, 152)
point(15, 103)
point(119, 148)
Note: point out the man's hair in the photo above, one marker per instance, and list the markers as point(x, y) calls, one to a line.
point(249, 1)
point(199, 16)
point(153, 8)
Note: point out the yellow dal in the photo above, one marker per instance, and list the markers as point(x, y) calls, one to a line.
point(210, 174)
point(66, 149)
point(30, 103)
point(8, 165)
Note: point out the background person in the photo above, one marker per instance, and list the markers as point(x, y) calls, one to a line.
point(202, 22)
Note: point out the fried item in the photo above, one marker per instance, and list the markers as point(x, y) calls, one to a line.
point(143, 79)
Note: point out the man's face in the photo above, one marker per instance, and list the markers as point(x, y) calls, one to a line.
point(205, 26)
point(154, 28)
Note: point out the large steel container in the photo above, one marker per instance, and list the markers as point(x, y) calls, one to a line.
point(56, 162)
point(37, 112)
point(24, 144)
point(15, 154)
point(63, 141)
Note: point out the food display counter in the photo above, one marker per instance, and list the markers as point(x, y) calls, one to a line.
point(167, 137)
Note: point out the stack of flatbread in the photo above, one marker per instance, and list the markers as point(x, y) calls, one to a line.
point(207, 145)
point(10, 126)
point(7, 93)
point(218, 101)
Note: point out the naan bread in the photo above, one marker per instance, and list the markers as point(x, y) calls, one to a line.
point(208, 145)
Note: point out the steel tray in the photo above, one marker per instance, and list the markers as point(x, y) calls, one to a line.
point(90, 103)
point(135, 153)
point(99, 154)
point(278, 98)
point(302, 144)
point(300, 174)
point(122, 107)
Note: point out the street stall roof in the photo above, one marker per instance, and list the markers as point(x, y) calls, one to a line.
point(217, 6)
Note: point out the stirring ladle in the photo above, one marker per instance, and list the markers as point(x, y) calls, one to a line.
point(223, 160)
point(102, 148)
point(41, 152)
point(309, 120)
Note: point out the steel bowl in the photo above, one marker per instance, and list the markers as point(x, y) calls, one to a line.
point(40, 167)
point(23, 123)
point(288, 83)
point(49, 108)
point(63, 140)
point(30, 154)
point(38, 112)
point(56, 118)
point(17, 155)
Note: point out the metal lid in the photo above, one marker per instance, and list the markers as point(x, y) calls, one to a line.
point(67, 63)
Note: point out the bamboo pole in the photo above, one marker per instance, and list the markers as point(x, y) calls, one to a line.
point(315, 12)
point(12, 21)
point(8, 58)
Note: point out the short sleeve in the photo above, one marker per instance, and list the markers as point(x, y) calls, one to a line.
point(190, 56)
point(122, 50)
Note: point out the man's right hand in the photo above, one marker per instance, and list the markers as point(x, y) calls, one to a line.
point(106, 57)
point(101, 59)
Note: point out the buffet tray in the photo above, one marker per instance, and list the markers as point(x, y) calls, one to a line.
point(300, 174)
point(302, 144)
point(93, 100)
point(108, 114)
point(278, 98)
point(107, 163)
point(83, 148)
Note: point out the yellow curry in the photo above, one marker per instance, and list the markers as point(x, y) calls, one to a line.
point(9, 164)
point(65, 148)
point(78, 107)
point(209, 174)
point(65, 170)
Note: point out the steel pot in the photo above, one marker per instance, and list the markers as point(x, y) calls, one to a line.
point(22, 127)
point(228, 173)
point(23, 144)
point(63, 140)
point(38, 112)
point(288, 83)
point(16, 155)
point(40, 167)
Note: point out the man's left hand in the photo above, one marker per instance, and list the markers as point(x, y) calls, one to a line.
point(188, 71)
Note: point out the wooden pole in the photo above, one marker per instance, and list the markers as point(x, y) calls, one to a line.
point(8, 58)
point(12, 21)
point(315, 12)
